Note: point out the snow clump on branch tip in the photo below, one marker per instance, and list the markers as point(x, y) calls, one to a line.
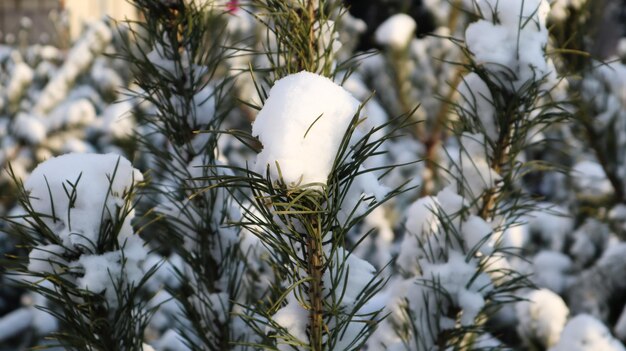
point(72, 192)
point(396, 32)
point(301, 127)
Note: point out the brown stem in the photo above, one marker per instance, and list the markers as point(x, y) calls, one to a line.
point(398, 60)
point(430, 161)
point(315, 265)
point(435, 137)
point(308, 63)
point(500, 156)
point(453, 18)
point(489, 198)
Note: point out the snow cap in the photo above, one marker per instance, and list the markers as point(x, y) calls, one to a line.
point(301, 127)
point(100, 182)
point(396, 32)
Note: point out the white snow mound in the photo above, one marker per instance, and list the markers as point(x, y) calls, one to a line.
point(585, 333)
point(301, 127)
point(396, 32)
point(78, 225)
point(541, 318)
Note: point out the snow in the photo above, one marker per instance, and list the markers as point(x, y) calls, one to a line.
point(166, 273)
point(313, 114)
point(421, 222)
point(498, 49)
point(75, 145)
point(590, 180)
point(117, 120)
point(106, 78)
point(430, 253)
point(497, 265)
point(471, 165)
point(400, 294)
point(486, 341)
point(552, 223)
point(541, 318)
point(220, 306)
point(77, 223)
point(515, 236)
point(477, 235)
point(462, 282)
point(200, 111)
point(604, 90)
point(43, 322)
point(101, 272)
point(166, 310)
point(204, 102)
point(115, 268)
point(451, 202)
point(618, 214)
point(472, 303)
point(78, 112)
point(293, 317)
point(508, 12)
point(29, 128)
point(476, 100)
point(74, 113)
point(79, 59)
point(512, 41)
point(20, 80)
point(422, 216)
point(46, 259)
point(162, 58)
point(396, 32)
point(585, 333)
point(551, 270)
point(364, 189)
point(171, 341)
point(351, 275)
point(594, 288)
point(373, 112)
point(15, 323)
point(560, 9)
point(328, 44)
point(101, 183)
point(589, 240)
point(382, 240)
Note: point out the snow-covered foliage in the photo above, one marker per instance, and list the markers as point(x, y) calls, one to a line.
point(78, 193)
point(78, 226)
point(314, 114)
point(275, 197)
point(319, 138)
point(510, 40)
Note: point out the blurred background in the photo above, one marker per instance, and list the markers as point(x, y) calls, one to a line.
point(59, 22)
point(55, 22)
